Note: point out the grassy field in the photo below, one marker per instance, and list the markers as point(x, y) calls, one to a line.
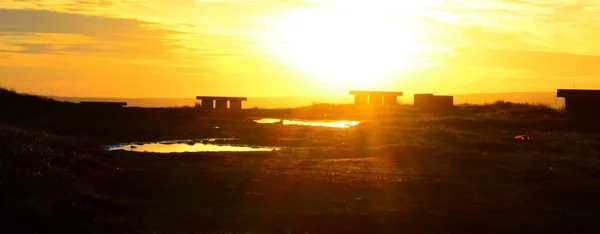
point(398, 171)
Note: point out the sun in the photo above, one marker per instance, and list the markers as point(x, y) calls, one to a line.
point(342, 44)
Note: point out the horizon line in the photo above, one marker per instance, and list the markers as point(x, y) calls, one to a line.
point(263, 97)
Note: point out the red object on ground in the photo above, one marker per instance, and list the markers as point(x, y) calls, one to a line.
point(522, 137)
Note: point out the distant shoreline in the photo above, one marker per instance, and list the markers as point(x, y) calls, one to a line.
point(546, 98)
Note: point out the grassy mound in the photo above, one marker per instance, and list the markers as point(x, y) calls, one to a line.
point(42, 182)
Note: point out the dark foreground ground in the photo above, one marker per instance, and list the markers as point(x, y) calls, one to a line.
point(398, 172)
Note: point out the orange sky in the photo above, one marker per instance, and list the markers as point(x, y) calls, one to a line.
point(183, 48)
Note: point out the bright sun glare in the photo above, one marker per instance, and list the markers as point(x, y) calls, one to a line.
point(343, 43)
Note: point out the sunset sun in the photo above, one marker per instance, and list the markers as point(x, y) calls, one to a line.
point(342, 45)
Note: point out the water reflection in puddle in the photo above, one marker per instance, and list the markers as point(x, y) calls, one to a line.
point(314, 123)
point(205, 145)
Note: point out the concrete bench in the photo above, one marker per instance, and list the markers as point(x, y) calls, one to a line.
point(580, 102)
point(103, 104)
point(221, 103)
point(375, 98)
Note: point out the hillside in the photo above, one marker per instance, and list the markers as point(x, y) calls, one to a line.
point(398, 171)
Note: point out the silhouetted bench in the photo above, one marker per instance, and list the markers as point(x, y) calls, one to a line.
point(103, 104)
point(581, 102)
point(221, 103)
point(375, 98)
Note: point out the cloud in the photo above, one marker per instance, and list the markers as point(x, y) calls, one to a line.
point(490, 38)
point(41, 31)
point(75, 4)
point(549, 64)
point(558, 10)
point(560, 26)
point(87, 5)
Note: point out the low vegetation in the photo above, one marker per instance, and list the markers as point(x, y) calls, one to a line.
point(398, 171)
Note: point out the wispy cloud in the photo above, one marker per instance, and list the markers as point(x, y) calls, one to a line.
point(561, 26)
point(40, 31)
point(549, 64)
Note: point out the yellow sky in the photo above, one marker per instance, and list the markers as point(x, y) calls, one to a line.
point(183, 48)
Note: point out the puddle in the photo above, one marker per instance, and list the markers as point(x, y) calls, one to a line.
point(314, 123)
point(182, 146)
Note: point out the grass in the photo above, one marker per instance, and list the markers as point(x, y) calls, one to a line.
point(398, 171)
point(37, 183)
